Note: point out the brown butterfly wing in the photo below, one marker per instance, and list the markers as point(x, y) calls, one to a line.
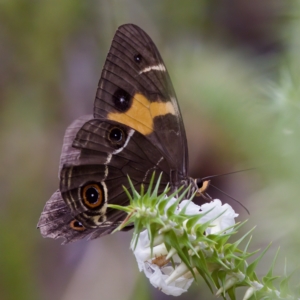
point(135, 89)
point(95, 159)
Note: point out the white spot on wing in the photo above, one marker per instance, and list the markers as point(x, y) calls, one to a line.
point(109, 156)
point(130, 133)
point(159, 67)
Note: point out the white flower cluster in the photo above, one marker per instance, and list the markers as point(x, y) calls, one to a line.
point(158, 268)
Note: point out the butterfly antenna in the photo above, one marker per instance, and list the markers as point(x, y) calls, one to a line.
point(214, 176)
point(246, 209)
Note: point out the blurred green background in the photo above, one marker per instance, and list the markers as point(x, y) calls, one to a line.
point(235, 67)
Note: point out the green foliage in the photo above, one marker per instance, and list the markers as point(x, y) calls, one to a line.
point(221, 264)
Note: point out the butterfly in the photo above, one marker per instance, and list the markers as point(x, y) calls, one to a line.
point(136, 129)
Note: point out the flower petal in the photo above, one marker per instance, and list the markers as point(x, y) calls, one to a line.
point(191, 209)
point(221, 216)
point(175, 288)
point(158, 275)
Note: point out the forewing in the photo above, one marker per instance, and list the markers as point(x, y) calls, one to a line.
point(135, 89)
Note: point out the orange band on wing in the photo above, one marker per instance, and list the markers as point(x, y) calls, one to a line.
point(141, 114)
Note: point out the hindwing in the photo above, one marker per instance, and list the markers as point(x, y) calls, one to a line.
point(99, 163)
